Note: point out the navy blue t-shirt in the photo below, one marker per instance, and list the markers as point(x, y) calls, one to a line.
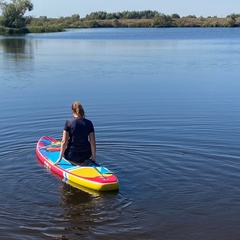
point(78, 130)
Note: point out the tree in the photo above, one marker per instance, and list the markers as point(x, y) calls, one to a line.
point(75, 17)
point(13, 13)
point(191, 16)
point(162, 20)
point(231, 20)
point(175, 15)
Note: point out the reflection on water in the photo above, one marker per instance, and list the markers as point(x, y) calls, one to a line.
point(16, 63)
point(17, 48)
point(78, 207)
point(84, 211)
point(72, 196)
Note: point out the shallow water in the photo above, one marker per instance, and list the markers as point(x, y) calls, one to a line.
point(165, 105)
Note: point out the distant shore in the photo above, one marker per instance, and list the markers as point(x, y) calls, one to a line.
point(161, 21)
point(144, 19)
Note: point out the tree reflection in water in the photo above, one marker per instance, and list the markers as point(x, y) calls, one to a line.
point(17, 60)
point(17, 48)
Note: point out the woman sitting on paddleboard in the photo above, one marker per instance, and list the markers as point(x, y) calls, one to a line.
point(78, 140)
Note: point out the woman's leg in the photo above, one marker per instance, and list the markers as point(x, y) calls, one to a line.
point(77, 157)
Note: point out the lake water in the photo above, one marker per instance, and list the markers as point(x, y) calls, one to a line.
point(165, 106)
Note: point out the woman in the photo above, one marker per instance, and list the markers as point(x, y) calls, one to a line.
point(78, 140)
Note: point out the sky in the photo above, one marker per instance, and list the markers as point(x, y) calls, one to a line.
point(205, 8)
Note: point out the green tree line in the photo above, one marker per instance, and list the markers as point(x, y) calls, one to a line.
point(134, 19)
point(122, 15)
point(12, 19)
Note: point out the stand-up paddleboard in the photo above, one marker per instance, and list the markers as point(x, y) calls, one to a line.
point(93, 176)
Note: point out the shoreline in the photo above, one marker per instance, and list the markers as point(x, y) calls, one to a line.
point(45, 25)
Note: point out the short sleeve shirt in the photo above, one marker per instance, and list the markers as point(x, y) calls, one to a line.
point(79, 130)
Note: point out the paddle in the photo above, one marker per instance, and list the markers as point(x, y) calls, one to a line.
point(94, 164)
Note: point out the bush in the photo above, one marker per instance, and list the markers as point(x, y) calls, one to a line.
point(45, 29)
point(13, 31)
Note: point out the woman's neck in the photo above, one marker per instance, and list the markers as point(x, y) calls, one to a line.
point(76, 116)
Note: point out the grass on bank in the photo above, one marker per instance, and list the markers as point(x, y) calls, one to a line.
point(70, 22)
point(45, 25)
point(30, 29)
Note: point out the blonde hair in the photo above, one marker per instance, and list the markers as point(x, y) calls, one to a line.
point(78, 109)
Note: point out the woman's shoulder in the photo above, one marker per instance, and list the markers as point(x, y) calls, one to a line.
point(71, 120)
point(87, 120)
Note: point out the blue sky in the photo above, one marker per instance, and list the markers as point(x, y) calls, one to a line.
point(58, 8)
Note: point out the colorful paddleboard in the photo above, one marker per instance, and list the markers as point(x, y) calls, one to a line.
point(92, 176)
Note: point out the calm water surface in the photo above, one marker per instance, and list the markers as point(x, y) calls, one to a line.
point(165, 105)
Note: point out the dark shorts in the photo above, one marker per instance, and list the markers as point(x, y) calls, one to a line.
point(77, 157)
